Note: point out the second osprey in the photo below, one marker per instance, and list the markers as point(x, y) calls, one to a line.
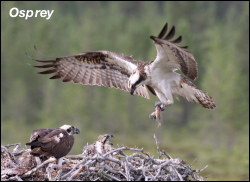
point(109, 69)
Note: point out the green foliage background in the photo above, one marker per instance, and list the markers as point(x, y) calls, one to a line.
point(217, 33)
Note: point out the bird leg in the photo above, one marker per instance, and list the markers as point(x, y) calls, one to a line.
point(156, 115)
point(160, 105)
point(38, 160)
point(60, 162)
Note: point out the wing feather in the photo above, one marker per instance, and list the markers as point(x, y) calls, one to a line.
point(170, 56)
point(163, 31)
point(39, 133)
point(178, 40)
point(102, 68)
point(171, 33)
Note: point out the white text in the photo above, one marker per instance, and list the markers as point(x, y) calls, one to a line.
point(14, 12)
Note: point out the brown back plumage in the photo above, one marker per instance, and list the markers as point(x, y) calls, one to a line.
point(51, 142)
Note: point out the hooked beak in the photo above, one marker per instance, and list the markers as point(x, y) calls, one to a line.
point(108, 136)
point(132, 90)
point(76, 131)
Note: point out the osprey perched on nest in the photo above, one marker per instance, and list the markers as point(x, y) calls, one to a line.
point(56, 142)
point(109, 69)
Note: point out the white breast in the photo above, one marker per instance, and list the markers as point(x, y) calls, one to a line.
point(99, 147)
point(164, 82)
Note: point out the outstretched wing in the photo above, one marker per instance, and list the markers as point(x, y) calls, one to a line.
point(102, 68)
point(170, 56)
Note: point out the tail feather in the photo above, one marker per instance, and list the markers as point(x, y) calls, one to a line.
point(204, 99)
point(34, 144)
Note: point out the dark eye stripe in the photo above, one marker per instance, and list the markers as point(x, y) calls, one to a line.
point(141, 78)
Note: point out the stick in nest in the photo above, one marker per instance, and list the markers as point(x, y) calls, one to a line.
point(138, 166)
point(160, 153)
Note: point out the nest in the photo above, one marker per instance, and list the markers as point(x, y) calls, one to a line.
point(114, 165)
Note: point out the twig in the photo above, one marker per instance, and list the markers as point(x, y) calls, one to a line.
point(166, 154)
point(89, 160)
point(77, 172)
point(15, 178)
point(110, 169)
point(20, 152)
point(199, 170)
point(75, 157)
point(38, 167)
point(15, 144)
point(122, 148)
point(127, 170)
point(180, 177)
point(164, 164)
point(109, 177)
point(137, 166)
point(157, 147)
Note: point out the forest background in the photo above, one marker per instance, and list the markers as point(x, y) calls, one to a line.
point(217, 34)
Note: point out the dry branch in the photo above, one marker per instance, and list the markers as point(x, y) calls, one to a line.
point(139, 166)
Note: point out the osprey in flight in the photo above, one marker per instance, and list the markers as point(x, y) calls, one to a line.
point(110, 69)
point(56, 142)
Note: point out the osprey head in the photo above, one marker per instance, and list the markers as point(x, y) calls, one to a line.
point(104, 138)
point(134, 81)
point(71, 130)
